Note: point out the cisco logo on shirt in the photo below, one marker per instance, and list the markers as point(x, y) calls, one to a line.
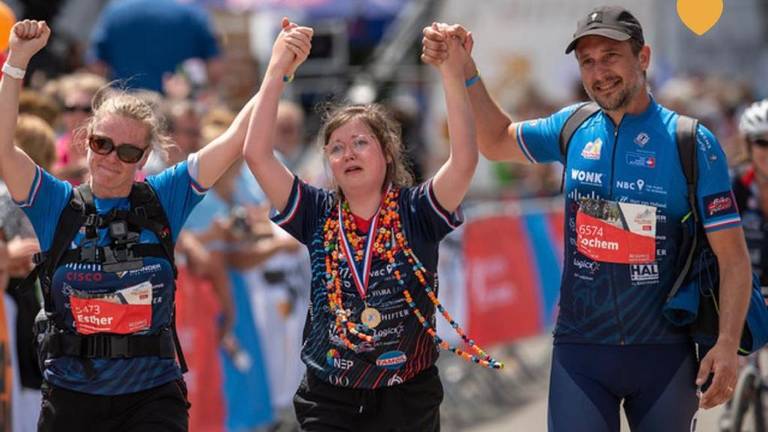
point(587, 177)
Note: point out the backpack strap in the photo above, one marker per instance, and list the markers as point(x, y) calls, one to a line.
point(147, 212)
point(72, 217)
point(686, 147)
point(572, 124)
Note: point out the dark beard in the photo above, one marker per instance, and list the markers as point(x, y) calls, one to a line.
point(621, 100)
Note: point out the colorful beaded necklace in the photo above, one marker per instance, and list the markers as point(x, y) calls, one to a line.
point(385, 240)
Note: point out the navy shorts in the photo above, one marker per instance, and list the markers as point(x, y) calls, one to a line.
point(654, 383)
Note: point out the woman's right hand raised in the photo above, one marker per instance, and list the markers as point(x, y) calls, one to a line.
point(291, 47)
point(27, 38)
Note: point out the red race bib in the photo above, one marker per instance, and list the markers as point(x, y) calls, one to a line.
point(619, 233)
point(128, 310)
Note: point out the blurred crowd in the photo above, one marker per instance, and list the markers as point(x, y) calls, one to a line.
point(256, 276)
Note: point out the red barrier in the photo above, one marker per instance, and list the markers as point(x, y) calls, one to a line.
point(502, 291)
point(197, 309)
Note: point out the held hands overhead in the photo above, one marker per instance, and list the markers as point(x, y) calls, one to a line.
point(291, 48)
point(452, 44)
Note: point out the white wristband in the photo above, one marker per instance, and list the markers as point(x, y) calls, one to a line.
point(13, 71)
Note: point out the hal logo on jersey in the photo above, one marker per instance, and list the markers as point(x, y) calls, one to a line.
point(592, 150)
point(644, 273)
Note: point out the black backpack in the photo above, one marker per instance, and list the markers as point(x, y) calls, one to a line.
point(146, 212)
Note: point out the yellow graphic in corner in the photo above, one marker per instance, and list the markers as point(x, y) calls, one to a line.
point(699, 15)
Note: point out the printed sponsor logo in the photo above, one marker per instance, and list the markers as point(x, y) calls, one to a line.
point(392, 360)
point(396, 331)
point(587, 177)
point(395, 380)
point(641, 160)
point(387, 316)
point(642, 139)
point(341, 381)
point(661, 252)
point(153, 268)
point(639, 185)
point(585, 264)
point(379, 292)
point(533, 122)
point(83, 277)
point(592, 150)
point(384, 271)
point(334, 360)
point(636, 185)
point(644, 272)
point(719, 204)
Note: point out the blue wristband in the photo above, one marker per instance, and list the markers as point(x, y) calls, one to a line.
point(471, 81)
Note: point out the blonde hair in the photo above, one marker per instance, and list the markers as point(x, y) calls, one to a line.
point(78, 82)
point(385, 129)
point(136, 106)
point(36, 138)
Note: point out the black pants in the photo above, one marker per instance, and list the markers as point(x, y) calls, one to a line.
point(164, 408)
point(411, 406)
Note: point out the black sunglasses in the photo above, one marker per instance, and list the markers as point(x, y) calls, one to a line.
point(75, 108)
point(760, 142)
point(127, 153)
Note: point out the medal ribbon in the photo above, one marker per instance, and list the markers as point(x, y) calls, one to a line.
point(361, 281)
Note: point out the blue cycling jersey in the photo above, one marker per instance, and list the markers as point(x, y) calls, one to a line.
point(620, 261)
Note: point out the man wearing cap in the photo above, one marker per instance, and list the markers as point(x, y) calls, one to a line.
point(625, 198)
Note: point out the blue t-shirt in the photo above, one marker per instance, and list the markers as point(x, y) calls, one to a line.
point(404, 348)
point(634, 167)
point(178, 193)
point(141, 40)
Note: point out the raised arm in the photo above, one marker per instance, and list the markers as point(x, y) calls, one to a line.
point(27, 38)
point(290, 49)
point(496, 133)
point(451, 182)
point(215, 158)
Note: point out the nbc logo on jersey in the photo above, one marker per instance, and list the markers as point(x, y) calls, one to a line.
point(592, 150)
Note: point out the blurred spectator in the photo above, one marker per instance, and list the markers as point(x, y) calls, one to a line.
point(141, 41)
point(405, 110)
point(75, 93)
point(36, 138)
point(182, 120)
point(291, 142)
point(40, 105)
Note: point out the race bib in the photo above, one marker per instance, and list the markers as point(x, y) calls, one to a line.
point(612, 232)
point(128, 310)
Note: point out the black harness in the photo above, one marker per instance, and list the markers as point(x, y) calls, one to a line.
point(122, 254)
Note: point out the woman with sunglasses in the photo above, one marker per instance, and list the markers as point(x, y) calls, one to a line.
point(369, 343)
point(91, 390)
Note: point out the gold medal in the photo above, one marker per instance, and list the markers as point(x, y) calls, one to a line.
point(370, 317)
